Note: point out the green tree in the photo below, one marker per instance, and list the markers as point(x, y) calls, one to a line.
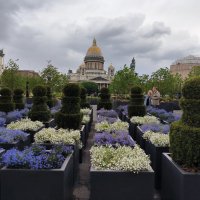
point(91, 87)
point(123, 81)
point(54, 78)
point(194, 72)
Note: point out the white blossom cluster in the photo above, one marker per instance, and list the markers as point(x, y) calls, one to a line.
point(158, 139)
point(86, 111)
point(145, 120)
point(60, 136)
point(116, 126)
point(86, 119)
point(122, 158)
point(25, 124)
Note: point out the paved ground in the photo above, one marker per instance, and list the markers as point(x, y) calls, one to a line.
point(82, 185)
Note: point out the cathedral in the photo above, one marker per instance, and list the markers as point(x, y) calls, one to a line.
point(93, 68)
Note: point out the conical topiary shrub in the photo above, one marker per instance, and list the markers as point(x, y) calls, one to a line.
point(185, 134)
point(136, 106)
point(69, 116)
point(49, 97)
point(84, 103)
point(105, 101)
point(39, 110)
point(6, 103)
point(18, 99)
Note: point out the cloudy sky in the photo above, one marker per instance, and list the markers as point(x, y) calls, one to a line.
point(155, 32)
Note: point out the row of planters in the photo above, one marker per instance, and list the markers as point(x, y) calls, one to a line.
point(174, 146)
point(120, 169)
point(49, 162)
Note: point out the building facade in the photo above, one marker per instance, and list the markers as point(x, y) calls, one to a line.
point(1, 61)
point(93, 68)
point(184, 65)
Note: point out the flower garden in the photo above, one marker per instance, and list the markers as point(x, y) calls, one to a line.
point(136, 151)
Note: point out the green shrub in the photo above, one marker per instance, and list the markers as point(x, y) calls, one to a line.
point(6, 103)
point(18, 98)
point(84, 103)
point(69, 115)
point(39, 110)
point(185, 134)
point(49, 97)
point(105, 101)
point(136, 106)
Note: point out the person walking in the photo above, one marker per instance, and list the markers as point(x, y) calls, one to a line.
point(148, 98)
point(155, 98)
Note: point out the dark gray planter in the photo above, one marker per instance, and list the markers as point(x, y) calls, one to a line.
point(83, 135)
point(50, 124)
point(27, 184)
point(132, 130)
point(32, 133)
point(119, 185)
point(178, 184)
point(18, 144)
point(155, 154)
point(139, 139)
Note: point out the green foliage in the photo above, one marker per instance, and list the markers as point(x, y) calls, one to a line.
point(72, 90)
point(185, 134)
point(53, 78)
point(191, 88)
point(69, 115)
point(49, 97)
point(84, 103)
point(105, 101)
point(91, 87)
point(39, 110)
point(136, 106)
point(6, 104)
point(18, 98)
point(194, 72)
point(123, 81)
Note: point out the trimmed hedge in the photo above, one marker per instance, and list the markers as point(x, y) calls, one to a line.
point(39, 110)
point(69, 115)
point(6, 103)
point(49, 97)
point(84, 103)
point(105, 101)
point(136, 106)
point(18, 99)
point(185, 134)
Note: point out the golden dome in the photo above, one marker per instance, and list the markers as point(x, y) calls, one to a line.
point(94, 50)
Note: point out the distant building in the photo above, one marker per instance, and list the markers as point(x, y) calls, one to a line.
point(1, 61)
point(28, 73)
point(184, 65)
point(93, 68)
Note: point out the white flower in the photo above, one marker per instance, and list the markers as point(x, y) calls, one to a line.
point(86, 111)
point(116, 126)
point(145, 120)
point(25, 124)
point(86, 119)
point(60, 136)
point(122, 158)
point(160, 140)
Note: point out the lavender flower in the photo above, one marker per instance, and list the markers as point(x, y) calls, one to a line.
point(2, 121)
point(2, 114)
point(110, 120)
point(13, 116)
point(107, 113)
point(155, 128)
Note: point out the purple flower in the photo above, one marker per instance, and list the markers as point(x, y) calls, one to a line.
point(110, 120)
point(13, 116)
point(155, 128)
point(118, 137)
point(2, 121)
point(2, 114)
point(107, 113)
point(36, 157)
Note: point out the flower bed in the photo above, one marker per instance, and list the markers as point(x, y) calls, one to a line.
point(35, 173)
point(116, 126)
point(144, 120)
point(13, 138)
point(86, 111)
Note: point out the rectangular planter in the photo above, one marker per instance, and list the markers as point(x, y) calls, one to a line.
point(155, 154)
point(50, 124)
point(83, 135)
point(119, 185)
point(27, 184)
point(19, 144)
point(178, 184)
point(132, 130)
point(139, 139)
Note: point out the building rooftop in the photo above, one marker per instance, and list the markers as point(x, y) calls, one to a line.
point(187, 60)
